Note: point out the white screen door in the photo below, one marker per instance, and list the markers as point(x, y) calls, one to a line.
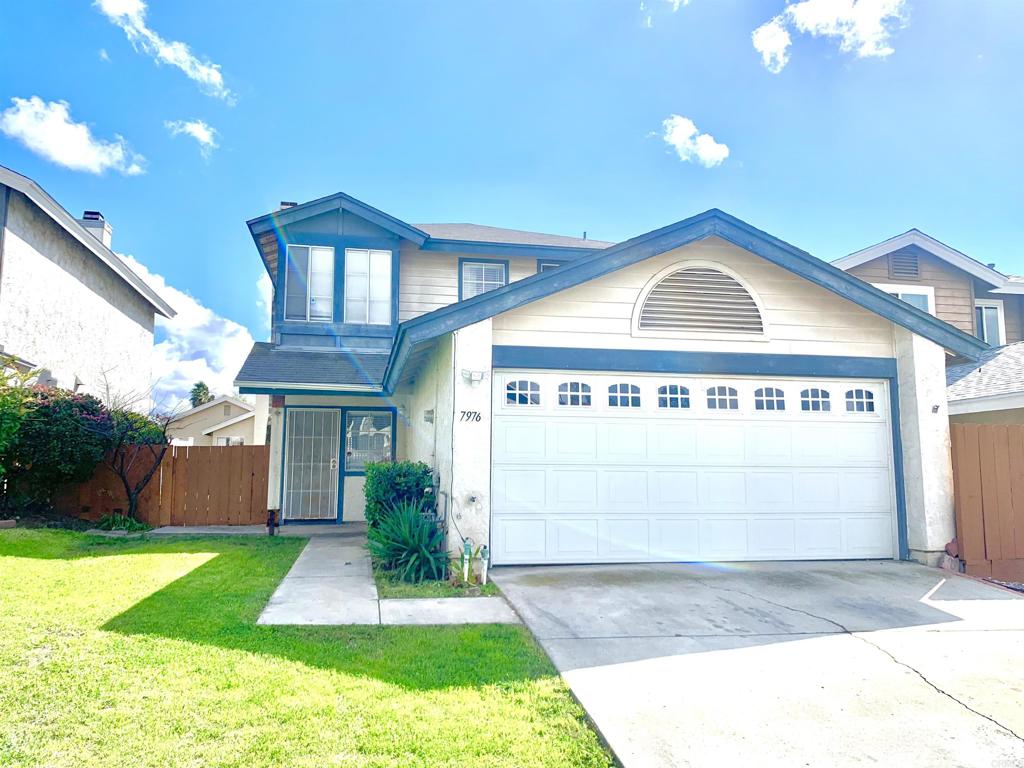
point(312, 442)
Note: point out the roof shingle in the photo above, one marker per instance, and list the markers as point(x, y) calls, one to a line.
point(335, 367)
point(998, 371)
point(484, 234)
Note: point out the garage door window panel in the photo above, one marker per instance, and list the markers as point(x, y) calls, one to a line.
point(673, 396)
point(624, 396)
point(815, 400)
point(860, 401)
point(522, 392)
point(769, 399)
point(574, 394)
point(723, 399)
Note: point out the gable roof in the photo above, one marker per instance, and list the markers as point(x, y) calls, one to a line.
point(998, 371)
point(69, 224)
point(712, 223)
point(915, 237)
point(216, 401)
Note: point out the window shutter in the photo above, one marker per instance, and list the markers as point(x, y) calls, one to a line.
point(700, 299)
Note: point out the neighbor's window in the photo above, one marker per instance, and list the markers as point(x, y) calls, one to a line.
point(920, 296)
point(367, 286)
point(368, 437)
point(860, 401)
point(624, 396)
point(522, 392)
point(769, 399)
point(815, 399)
point(988, 322)
point(673, 396)
point(723, 399)
point(227, 409)
point(309, 283)
point(574, 393)
point(482, 276)
point(225, 441)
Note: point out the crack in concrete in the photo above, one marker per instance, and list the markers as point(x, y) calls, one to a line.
point(856, 636)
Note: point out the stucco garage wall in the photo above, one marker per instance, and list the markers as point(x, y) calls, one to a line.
point(63, 310)
point(801, 318)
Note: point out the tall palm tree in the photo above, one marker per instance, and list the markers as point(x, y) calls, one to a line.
point(200, 394)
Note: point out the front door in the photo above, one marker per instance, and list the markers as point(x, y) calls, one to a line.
point(312, 443)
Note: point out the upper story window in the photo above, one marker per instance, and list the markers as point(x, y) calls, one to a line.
point(624, 396)
point(697, 299)
point(920, 296)
point(673, 396)
point(547, 266)
point(574, 393)
point(309, 283)
point(478, 277)
point(815, 399)
point(989, 324)
point(723, 399)
point(367, 286)
point(769, 399)
point(522, 392)
point(860, 401)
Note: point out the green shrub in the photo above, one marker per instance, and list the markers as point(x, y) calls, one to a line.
point(61, 439)
point(116, 522)
point(389, 484)
point(15, 393)
point(408, 542)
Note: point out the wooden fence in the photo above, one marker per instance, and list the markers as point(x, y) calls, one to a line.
point(988, 478)
point(222, 485)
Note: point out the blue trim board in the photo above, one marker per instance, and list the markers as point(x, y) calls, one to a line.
point(723, 363)
point(552, 252)
point(650, 361)
point(342, 472)
point(503, 262)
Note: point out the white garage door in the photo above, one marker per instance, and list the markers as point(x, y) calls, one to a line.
point(596, 467)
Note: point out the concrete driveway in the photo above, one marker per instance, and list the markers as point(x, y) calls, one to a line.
point(785, 664)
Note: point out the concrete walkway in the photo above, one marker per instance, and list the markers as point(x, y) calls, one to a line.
point(331, 583)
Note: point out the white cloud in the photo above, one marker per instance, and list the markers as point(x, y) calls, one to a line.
point(265, 297)
point(199, 345)
point(647, 9)
point(130, 15)
point(690, 144)
point(862, 26)
point(104, 56)
point(772, 41)
point(47, 129)
point(205, 135)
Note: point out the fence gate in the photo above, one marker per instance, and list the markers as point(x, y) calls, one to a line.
point(988, 478)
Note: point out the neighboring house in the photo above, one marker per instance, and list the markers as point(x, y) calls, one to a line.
point(919, 269)
point(990, 390)
point(223, 421)
point(704, 391)
point(68, 304)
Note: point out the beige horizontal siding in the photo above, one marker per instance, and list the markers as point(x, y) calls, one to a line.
point(430, 280)
point(800, 317)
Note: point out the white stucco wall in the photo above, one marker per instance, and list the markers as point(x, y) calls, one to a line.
point(924, 424)
point(276, 448)
point(62, 309)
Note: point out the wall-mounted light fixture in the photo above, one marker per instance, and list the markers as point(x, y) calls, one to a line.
point(473, 377)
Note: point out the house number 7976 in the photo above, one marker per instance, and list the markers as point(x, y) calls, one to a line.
point(470, 416)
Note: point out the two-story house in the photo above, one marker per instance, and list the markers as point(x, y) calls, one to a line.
point(970, 295)
point(704, 391)
point(69, 305)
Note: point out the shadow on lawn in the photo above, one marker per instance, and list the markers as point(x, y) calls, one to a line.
point(217, 604)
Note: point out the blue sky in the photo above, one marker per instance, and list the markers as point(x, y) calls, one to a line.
point(881, 116)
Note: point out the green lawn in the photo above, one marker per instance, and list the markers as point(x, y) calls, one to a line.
point(390, 587)
point(146, 653)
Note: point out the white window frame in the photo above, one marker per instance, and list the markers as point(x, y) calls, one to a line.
point(997, 305)
point(480, 263)
point(901, 288)
point(309, 266)
point(369, 290)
